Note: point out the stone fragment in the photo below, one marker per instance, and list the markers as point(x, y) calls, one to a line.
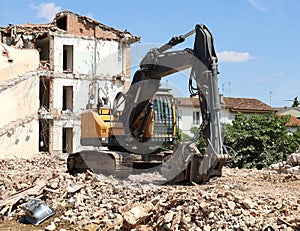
point(136, 214)
point(51, 227)
point(206, 228)
point(231, 205)
point(248, 204)
point(169, 216)
point(294, 159)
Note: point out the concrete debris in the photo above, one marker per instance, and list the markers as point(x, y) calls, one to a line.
point(242, 199)
point(291, 166)
point(294, 159)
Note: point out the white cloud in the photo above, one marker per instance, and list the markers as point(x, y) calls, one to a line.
point(257, 4)
point(232, 56)
point(280, 74)
point(46, 10)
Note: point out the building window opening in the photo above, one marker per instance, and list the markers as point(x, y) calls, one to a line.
point(62, 23)
point(42, 45)
point(67, 140)
point(196, 117)
point(44, 135)
point(44, 92)
point(68, 58)
point(67, 98)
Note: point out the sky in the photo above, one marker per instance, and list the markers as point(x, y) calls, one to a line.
point(256, 40)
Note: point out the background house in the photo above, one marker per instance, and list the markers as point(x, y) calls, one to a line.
point(65, 66)
point(189, 114)
point(293, 111)
point(247, 106)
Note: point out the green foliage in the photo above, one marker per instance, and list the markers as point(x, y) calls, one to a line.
point(260, 140)
point(295, 102)
point(182, 137)
point(200, 139)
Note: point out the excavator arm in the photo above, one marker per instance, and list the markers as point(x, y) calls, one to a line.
point(160, 62)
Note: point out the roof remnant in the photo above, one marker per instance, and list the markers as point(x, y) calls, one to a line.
point(84, 19)
point(32, 32)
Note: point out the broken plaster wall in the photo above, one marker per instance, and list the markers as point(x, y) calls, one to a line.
point(19, 97)
point(90, 56)
point(19, 131)
point(16, 62)
point(71, 118)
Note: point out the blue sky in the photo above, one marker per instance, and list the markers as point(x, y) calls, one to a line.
point(256, 40)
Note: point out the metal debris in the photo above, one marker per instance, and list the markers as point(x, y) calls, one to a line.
point(36, 211)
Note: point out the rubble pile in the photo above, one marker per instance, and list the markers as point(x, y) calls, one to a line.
point(291, 166)
point(239, 200)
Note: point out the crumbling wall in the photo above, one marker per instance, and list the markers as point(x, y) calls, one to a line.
point(90, 56)
point(79, 26)
point(15, 62)
point(105, 34)
point(19, 132)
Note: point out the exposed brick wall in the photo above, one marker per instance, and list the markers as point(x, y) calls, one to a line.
point(105, 34)
point(78, 26)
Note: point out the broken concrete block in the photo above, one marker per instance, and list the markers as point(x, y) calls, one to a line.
point(248, 204)
point(294, 159)
point(231, 205)
point(136, 214)
point(50, 227)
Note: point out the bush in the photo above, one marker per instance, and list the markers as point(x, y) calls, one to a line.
point(260, 140)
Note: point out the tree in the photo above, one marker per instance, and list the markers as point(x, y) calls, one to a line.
point(295, 102)
point(260, 140)
point(198, 138)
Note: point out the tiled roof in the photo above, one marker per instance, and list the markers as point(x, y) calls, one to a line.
point(294, 122)
point(233, 104)
point(193, 102)
point(246, 105)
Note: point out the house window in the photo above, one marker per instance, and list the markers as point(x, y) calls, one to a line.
point(67, 98)
point(68, 58)
point(196, 117)
point(67, 140)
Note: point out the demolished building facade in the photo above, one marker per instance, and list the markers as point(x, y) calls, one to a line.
point(60, 70)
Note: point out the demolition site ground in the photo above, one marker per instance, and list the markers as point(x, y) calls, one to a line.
point(242, 199)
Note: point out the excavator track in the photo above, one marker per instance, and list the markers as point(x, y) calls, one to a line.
point(116, 164)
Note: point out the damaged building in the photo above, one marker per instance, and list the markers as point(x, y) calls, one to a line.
point(50, 74)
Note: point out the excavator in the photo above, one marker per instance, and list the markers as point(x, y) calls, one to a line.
point(138, 130)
